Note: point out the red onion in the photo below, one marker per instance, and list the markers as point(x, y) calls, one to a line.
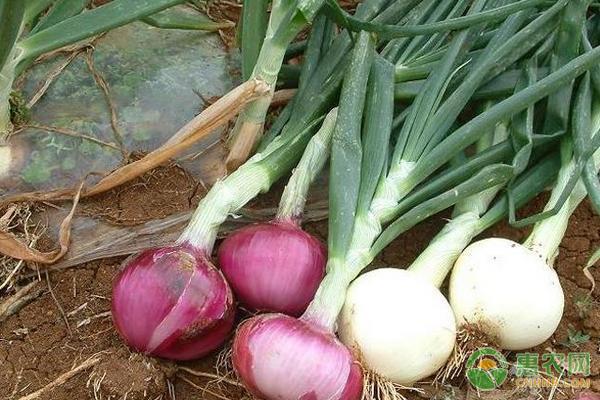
point(280, 357)
point(277, 266)
point(173, 303)
point(273, 266)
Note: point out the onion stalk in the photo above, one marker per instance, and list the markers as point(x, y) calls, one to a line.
point(276, 266)
point(287, 19)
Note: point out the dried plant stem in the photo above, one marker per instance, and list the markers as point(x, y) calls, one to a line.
point(51, 77)
point(62, 379)
point(103, 85)
point(11, 246)
point(23, 296)
point(60, 308)
point(72, 133)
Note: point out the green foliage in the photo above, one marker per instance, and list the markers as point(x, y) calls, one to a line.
point(575, 338)
point(84, 25)
point(11, 18)
point(19, 113)
point(38, 169)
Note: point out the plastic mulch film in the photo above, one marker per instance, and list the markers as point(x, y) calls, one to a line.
point(127, 92)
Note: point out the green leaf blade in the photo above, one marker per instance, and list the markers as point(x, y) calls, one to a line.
point(85, 25)
point(346, 151)
point(11, 17)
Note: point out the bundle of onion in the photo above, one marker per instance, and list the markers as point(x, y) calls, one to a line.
point(172, 302)
point(315, 364)
point(486, 270)
point(423, 332)
point(304, 356)
point(422, 338)
point(481, 273)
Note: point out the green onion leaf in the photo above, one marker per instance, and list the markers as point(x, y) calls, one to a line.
point(179, 19)
point(82, 26)
point(346, 151)
point(377, 127)
point(253, 28)
point(11, 15)
point(488, 177)
point(60, 11)
point(341, 17)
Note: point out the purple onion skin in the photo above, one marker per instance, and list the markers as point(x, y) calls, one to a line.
point(273, 266)
point(278, 357)
point(171, 302)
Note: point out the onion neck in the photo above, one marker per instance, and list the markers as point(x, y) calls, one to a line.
point(330, 296)
point(313, 159)
point(547, 234)
point(329, 299)
point(250, 122)
point(225, 197)
point(436, 261)
point(396, 185)
point(253, 177)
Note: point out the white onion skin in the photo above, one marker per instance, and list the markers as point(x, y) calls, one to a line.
point(398, 323)
point(13, 156)
point(509, 290)
point(5, 161)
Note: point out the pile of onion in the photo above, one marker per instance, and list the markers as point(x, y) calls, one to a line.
point(420, 337)
point(512, 290)
point(281, 357)
point(172, 302)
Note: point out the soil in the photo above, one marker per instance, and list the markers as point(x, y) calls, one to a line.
point(164, 191)
point(69, 323)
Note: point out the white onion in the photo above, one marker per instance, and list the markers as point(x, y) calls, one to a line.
point(5, 160)
point(398, 323)
point(509, 290)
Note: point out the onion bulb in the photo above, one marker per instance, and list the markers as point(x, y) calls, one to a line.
point(392, 313)
point(276, 266)
point(5, 160)
point(273, 266)
point(172, 303)
point(280, 357)
point(509, 290)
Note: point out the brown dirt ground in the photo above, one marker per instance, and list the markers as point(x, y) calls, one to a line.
point(69, 321)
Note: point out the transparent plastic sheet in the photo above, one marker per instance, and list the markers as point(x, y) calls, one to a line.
point(93, 239)
point(156, 81)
